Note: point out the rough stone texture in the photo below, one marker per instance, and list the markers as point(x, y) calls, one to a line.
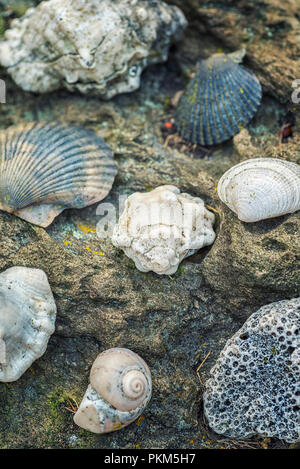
point(174, 323)
point(254, 386)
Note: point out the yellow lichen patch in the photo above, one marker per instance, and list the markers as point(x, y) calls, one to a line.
point(99, 253)
point(87, 229)
point(139, 420)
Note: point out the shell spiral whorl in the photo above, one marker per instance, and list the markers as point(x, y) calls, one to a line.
point(134, 384)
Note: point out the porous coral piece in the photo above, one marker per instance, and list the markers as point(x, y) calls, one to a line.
point(160, 228)
point(254, 385)
point(95, 47)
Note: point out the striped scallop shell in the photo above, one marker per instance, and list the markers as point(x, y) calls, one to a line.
point(261, 188)
point(48, 167)
point(221, 98)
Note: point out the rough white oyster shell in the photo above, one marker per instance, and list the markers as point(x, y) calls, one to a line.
point(97, 47)
point(27, 318)
point(160, 228)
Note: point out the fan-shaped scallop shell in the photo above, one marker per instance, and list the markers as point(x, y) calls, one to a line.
point(220, 99)
point(48, 167)
point(261, 188)
point(120, 389)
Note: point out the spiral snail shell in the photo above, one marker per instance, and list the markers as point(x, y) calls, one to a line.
point(119, 390)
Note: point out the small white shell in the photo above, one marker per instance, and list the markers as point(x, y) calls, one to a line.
point(27, 318)
point(120, 389)
point(160, 228)
point(261, 188)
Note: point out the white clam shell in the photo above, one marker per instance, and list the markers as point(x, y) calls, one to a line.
point(261, 188)
point(120, 389)
point(160, 228)
point(91, 46)
point(27, 318)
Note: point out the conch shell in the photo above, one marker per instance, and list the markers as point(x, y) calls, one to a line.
point(158, 229)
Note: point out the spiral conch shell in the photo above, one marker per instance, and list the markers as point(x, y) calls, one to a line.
point(48, 167)
point(27, 318)
point(158, 229)
point(119, 390)
point(261, 188)
point(219, 100)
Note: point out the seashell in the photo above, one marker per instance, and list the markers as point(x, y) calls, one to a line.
point(261, 188)
point(158, 229)
point(119, 390)
point(48, 167)
point(220, 99)
point(91, 46)
point(27, 318)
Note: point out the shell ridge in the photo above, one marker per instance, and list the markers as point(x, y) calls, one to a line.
point(230, 110)
point(225, 126)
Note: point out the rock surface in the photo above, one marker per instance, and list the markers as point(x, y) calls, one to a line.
point(177, 323)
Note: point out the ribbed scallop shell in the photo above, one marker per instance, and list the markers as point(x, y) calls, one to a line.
point(48, 167)
point(261, 188)
point(220, 99)
point(120, 389)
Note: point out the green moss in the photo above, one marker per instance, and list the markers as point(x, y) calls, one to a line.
point(2, 26)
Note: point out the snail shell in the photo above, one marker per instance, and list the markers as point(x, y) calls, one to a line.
point(48, 167)
point(120, 389)
point(220, 99)
point(27, 318)
point(261, 188)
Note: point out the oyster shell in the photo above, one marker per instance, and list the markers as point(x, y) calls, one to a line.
point(91, 46)
point(120, 389)
point(46, 168)
point(27, 318)
point(220, 99)
point(160, 228)
point(261, 188)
